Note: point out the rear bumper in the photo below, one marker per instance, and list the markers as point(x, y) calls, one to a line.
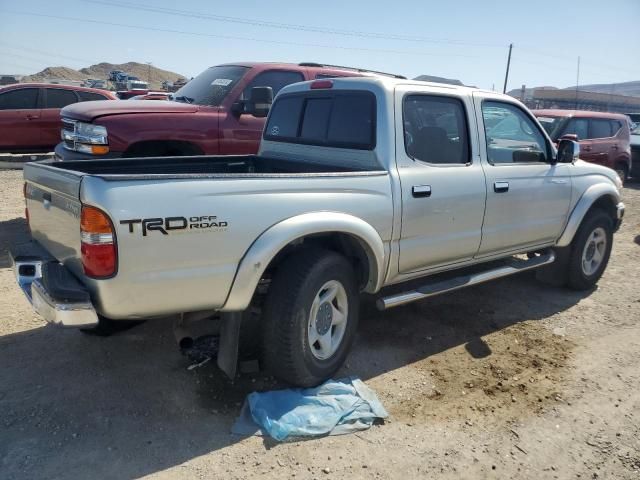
point(62, 153)
point(56, 295)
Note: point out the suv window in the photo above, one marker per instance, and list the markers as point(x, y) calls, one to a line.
point(599, 128)
point(615, 127)
point(276, 79)
point(331, 119)
point(90, 96)
point(579, 127)
point(19, 99)
point(59, 98)
point(435, 129)
point(515, 138)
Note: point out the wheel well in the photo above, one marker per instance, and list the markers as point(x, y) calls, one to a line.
point(152, 148)
point(606, 203)
point(352, 248)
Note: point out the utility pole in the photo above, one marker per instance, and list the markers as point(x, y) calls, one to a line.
point(506, 75)
point(577, 82)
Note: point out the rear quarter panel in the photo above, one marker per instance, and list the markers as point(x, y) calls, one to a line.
point(193, 269)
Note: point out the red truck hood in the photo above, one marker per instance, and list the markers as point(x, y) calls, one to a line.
point(88, 111)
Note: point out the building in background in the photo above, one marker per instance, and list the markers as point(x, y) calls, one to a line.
point(580, 100)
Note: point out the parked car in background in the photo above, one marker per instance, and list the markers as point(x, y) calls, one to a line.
point(635, 151)
point(152, 96)
point(30, 114)
point(95, 83)
point(603, 137)
point(212, 114)
point(115, 74)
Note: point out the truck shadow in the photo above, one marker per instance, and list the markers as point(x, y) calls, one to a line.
point(12, 232)
point(126, 406)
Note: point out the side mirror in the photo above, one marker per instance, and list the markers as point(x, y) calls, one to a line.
point(260, 102)
point(568, 151)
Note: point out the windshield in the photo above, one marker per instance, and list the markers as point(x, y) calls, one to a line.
point(211, 86)
point(550, 124)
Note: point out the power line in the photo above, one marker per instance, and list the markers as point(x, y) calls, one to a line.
point(14, 46)
point(233, 37)
point(288, 26)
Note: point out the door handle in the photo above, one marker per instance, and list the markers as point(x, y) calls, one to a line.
point(32, 117)
point(500, 187)
point(587, 148)
point(421, 191)
point(615, 147)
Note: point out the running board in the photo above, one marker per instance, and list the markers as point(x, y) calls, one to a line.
point(513, 265)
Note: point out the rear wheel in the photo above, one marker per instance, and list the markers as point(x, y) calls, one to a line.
point(310, 317)
point(590, 251)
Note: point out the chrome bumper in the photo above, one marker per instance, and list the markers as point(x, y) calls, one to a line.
point(69, 306)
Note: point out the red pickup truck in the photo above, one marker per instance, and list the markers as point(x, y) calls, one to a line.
point(219, 112)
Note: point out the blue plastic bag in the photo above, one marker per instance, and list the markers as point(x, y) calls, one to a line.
point(334, 408)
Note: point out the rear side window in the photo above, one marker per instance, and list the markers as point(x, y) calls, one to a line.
point(19, 99)
point(59, 98)
point(600, 128)
point(615, 127)
point(90, 96)
point(435, 129)
point(332, 119)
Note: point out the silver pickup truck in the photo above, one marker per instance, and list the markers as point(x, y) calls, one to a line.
point(360, 185)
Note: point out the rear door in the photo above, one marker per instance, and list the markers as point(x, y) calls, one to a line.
point(50, 123)
point(528, 196)
point(240, 132)
point(19, 117)
point(602, 141)
point(442, 180)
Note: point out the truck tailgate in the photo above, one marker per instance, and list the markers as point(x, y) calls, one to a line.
point(52, 197)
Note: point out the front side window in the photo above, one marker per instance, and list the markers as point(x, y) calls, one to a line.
point(435, 129)
point(341, 119)
point(276, 79)
point(19, 99)
point(514, 139)
point(599, 128)
point(59, 98)
point(578, 127)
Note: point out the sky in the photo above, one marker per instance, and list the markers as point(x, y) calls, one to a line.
point(462, 39)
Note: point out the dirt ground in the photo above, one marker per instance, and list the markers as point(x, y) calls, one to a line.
point(511, 379)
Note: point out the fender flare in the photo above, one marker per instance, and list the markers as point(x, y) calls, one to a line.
point(590, 196)
point(260, 254)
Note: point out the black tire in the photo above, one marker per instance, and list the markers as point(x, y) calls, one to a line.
point(107, 327)
point(578, 278)
point(286, 352)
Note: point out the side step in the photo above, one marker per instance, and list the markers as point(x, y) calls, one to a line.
point(436, 287)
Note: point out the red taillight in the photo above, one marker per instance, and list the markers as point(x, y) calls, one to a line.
point(321, 84)
point(98, 243)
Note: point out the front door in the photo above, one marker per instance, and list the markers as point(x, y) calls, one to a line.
point(528, 195)
point(50, 123)
point(443, 189)
point(240, 132)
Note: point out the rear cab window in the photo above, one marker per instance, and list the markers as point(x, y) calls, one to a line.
point(339, 118)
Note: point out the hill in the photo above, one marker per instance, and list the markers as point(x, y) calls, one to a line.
point(101, 71)
point(631, 89)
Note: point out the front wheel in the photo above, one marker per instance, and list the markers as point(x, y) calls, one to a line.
point(590, 250)
point(310, 317)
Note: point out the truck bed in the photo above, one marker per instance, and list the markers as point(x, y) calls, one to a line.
point(210, 166)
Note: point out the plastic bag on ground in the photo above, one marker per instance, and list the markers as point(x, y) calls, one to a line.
point(336, 407)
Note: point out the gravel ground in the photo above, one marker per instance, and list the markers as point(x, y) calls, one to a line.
point(511, 379)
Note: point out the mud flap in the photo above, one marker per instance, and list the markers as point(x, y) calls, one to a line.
point(230, 323)
point(557, 273)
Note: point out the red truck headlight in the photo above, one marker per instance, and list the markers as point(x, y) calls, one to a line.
point(98, 243)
